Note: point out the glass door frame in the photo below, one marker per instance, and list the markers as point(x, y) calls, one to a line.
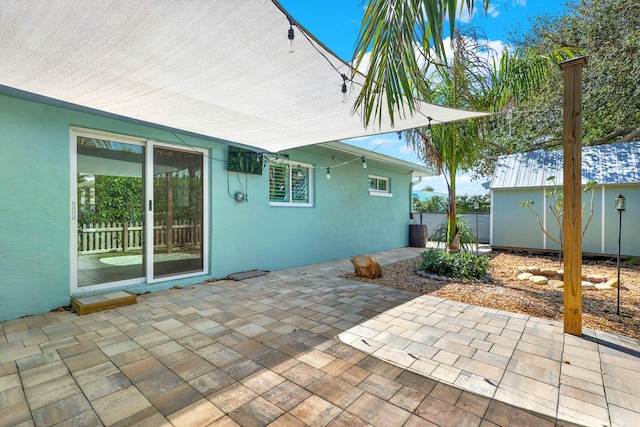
point(150, 206)
point(148, 145)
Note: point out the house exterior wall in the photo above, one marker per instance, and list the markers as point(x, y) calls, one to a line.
point(35, 208)
point(517, 227)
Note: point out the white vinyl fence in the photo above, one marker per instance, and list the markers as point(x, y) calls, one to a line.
point(109, 237)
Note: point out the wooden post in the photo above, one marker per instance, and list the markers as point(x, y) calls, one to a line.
point(572, 207)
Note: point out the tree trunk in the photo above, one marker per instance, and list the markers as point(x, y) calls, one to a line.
point(453, 237)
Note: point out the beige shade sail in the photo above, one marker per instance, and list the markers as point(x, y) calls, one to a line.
point(217, 68)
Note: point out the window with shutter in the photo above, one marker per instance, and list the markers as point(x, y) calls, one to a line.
point(290, 184)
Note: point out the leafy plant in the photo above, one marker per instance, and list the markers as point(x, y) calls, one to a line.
point(465, 266)
point(467, 238)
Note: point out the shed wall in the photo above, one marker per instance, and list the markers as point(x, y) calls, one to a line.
point(517, 227)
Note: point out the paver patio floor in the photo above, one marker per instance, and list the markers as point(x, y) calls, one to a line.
point(306, 347)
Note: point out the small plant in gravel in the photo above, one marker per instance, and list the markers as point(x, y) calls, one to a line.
point(465, 266)
point(467, 238)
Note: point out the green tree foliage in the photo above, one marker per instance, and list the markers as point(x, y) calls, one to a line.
point(608, 32)
point(464, 204)
point(186, 196)
point(434, 204)
point(118, 199)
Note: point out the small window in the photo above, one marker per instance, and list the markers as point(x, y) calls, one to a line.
point(290, 184)
point(379, 186)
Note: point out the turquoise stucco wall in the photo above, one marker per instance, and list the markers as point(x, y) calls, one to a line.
point(35, 208)
point(516, 227)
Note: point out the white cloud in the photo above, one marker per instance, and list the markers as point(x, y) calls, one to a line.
point(521, 3)
point(465, 17)
point(493, 11)
point(405, 149)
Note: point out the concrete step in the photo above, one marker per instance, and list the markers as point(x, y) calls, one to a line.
point(102, 302)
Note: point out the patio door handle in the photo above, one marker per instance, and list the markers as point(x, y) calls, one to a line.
point(150, 205)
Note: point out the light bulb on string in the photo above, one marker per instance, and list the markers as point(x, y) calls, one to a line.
point(291, 35)
point(364, 163)
point(345, 95)
point(428, 132)
point(328, 173)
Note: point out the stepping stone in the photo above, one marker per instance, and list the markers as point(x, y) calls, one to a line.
point(612, 282)
point(524, 276)
point(538, 280)
point(548, 271)
point(588, 285)
point(596, 278)
point(109, 301)
point(604, 287)
point(533, 269)
point(556, 284)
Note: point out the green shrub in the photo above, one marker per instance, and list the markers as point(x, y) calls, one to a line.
point(461, 265)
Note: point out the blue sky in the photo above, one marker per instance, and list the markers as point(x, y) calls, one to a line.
point(336, 24)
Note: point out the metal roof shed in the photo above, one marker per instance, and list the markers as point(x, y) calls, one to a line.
point(526, 176)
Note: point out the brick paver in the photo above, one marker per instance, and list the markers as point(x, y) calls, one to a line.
point(306, 347)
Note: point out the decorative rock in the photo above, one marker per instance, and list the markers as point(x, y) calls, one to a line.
point(561, 272)
point(524, 276)
point(367, 266)
point(588, 285)
point(529, 269)
point(548, 271)
point(538, 280)
point(596, 278)
point(556, 284)
point(604, 287)
point(612, 282)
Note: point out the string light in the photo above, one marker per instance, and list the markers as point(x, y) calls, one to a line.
point(328, 173)
point(291, 35)
point(364, 163)
point(428, 132)
point(345, 95)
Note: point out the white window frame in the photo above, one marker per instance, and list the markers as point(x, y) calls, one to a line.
point(291, 203)
point(377, 192)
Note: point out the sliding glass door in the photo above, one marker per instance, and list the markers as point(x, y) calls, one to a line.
point(138, 212)
point(177, 212)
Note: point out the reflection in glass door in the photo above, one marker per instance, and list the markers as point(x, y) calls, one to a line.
point(177, 211)
point(110, 214)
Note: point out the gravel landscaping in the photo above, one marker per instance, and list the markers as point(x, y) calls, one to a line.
point(504, 291)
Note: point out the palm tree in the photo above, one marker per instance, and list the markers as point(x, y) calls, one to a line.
point(472, 81)
point(400, 35)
